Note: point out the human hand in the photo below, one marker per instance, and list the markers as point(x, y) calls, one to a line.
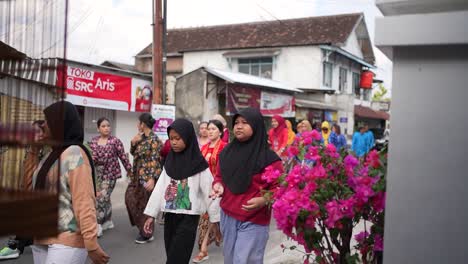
point(217, 191)
point(149, 185)
point(98, 256)
point(254, 203)
point(148, 227)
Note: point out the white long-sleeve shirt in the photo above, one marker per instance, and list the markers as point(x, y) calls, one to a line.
point(188, 196)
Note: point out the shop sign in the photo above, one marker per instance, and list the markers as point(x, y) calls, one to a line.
point(88, 87)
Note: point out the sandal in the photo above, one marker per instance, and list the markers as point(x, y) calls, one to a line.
point(202, 256)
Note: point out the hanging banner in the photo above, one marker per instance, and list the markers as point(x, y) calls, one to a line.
point(164, 115)
point(269, 103)
point(277, 104)
point(238, 97)
point(91, 88)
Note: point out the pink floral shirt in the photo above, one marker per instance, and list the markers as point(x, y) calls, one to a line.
point(108, 156)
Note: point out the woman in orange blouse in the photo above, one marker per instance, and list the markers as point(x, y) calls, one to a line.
point(209, 232)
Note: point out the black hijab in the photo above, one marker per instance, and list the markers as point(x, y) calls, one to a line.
point(240, 161)
point(190, 161)
point(65, 128)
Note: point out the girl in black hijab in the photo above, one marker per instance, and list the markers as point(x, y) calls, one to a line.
point(245, 218)
point(182, 192)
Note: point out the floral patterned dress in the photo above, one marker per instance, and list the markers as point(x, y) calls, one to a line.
point(106, 162)
point(146, 166)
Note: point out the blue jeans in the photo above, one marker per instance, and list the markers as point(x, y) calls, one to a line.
point(243, 242)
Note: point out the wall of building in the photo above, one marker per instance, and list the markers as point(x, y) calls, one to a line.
point(427, 201)
point(175, 64)
point(144, 64)
point(125, 129)
point(190, 96)
point(352, 46)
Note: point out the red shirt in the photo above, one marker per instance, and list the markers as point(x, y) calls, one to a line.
point(232, 203)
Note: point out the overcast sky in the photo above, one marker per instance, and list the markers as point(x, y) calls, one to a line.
point(118, 29)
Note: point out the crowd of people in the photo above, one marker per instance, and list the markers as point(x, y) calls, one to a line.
point(210, 184)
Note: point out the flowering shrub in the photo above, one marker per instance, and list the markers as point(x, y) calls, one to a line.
point(323, 197)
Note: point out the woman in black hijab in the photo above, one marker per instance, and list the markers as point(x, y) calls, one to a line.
point(182, 192)
point(245, 218)
point(73, 178)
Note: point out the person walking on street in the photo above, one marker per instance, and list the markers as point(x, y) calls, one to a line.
point(209, 232)
point(359, 145)
point(370, 140)
point(226, 135)
point(245, 216)
point(145, 148)
point(182, 192)
point(203, 134)
point(77, 225)
point(336, 138)
point(291, 134)
point(106, 152)
point(15, 245)
point(278, 135)
point(326, 131)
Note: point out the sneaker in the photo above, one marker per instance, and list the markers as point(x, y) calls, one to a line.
point(99, 231)
point(143, 240)
point(8, 253)
point(107, 225)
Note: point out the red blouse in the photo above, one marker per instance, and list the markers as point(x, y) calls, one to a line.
point(211, 155)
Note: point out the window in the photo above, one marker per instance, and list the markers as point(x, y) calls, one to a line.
point(327, 74)
point(356, 88)
point(343, 80)
point(261, 67)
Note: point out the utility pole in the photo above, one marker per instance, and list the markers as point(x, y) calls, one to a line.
point(157, 52)
point(164, 53)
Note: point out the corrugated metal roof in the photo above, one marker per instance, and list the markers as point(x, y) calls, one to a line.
point(314, 104)
point(236, 77)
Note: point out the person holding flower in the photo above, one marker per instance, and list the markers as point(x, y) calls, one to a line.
point(239, 181)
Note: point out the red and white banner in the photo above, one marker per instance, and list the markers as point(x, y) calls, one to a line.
point(277, 104)
point(87, 87)
point(270, 104)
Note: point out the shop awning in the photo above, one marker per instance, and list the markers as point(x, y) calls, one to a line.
point(348, 55)
point(315, 105)
point(367, 112)
point(236, 77)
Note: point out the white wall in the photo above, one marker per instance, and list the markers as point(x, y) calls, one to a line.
point(300, 67)
point(197, 59)
point(352, 46)
point(125, 129)
point(296, 66)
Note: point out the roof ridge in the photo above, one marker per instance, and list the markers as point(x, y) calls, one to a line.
point(263, 22)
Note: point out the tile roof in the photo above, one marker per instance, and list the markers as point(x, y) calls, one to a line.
point(333, 30)
point(367, 112)
point(119, 65)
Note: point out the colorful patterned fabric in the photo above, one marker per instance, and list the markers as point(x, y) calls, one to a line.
point(103, 196)
point(108, 156)
point(211, 155)
point(147, 158)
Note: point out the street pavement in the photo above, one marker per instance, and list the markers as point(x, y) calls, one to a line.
point(119, 242)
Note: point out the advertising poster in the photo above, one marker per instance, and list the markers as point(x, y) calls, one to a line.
point(164, 115)
point(91, 88)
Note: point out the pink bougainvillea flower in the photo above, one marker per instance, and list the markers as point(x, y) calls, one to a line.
point(334, 214)
point(271, 174)
point(293, 151)
point(351, 161)
point(378, 202)
point(360, 237)
point(378, 242)
point(373, 159)
point(318, 171)
point(347, 207)
point(363, 193)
